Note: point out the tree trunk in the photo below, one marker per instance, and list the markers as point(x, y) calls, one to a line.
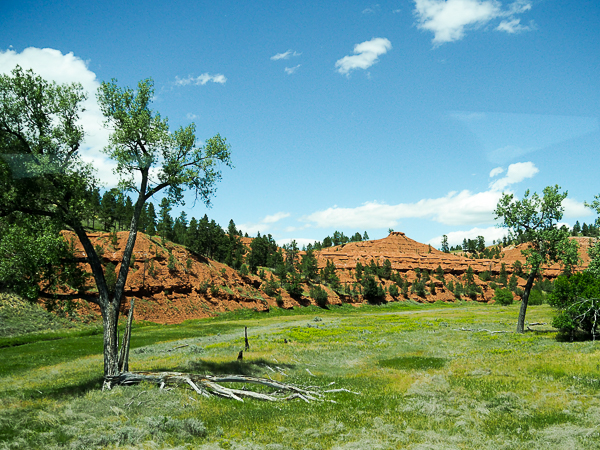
point(110, 318)
point(524, 300)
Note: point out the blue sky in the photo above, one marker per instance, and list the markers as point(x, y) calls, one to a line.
point(355, 116)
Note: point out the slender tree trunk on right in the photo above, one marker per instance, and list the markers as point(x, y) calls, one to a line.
point(525, 300)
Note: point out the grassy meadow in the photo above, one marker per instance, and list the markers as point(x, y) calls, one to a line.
point(421, 376)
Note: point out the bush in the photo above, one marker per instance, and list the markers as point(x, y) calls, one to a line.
point(271, 287)
point(319, 295)
point(171, 264)
point(536, 297)
point(394, 290)
point(203, 287)
point(485, 276)
point(244, 270)
point(577, 298)
point(503, 297)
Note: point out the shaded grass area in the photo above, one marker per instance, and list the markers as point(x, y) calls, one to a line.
point(420, 376)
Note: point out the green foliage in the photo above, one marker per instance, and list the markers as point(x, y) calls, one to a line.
point(110, 275)
point(151, 269)
point(132, 261)
point(485, 276)
point(439, 272)
point(372, 290)
point(244, 270)
point(309, 266)
point(536, 296)
point(271, 287)
point(577, 297)
point(293, 284)
point(393, 290)
point(171, 265)
point(503, 275)
point(188, 264)
point(418, 288)
point(503, 297)
point(319, 295)
point(214, 289)
point(329, 276)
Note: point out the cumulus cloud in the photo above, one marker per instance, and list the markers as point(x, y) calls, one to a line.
point(365, 55)
point(53, 65)
point(455, 208)
point(191, 116)
point(448, 20)
point(513, 26)
point(495, 172)
point(575, 209)
point(285, 55)
point(515, 174)
point(201, 79)
point(291, 70)
point(264, 225)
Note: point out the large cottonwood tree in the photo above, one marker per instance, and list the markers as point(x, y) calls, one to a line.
point(535, 219)
point(42, 174)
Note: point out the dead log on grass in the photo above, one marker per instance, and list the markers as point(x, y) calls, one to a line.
point(209, 385)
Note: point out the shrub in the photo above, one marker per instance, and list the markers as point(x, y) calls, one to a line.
point(244, 270)
point(203, 287)
point(171, 264)
point(394, 291)
point(188, 264)
point(536, 297)
point(372, 290)
point(271, 287)
point(110, 275)
point(214, 289)
point(132, 261)
point(485, 276)
point(503, 297)
point(319, 295)
point(577, 298)
point(279, 300)
point(99, 250)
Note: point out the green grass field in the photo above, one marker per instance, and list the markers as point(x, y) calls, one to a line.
point(425, 377)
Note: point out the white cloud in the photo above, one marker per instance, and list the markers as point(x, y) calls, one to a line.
point(301, 242)
point(191, 116)
point(455, 208)
point(456, 237)
point(52, 65)
point(448, 20)
point(275, 217)
point(495, 172)
point(575, 209)
point(513, 26)
point(285, 55)
point(366, 54)
point(201, 79)
point(264, 225)
point(515, 174)
point(291, 70)
point(372, 10)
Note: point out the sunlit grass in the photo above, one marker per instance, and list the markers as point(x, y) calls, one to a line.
point(433, 376)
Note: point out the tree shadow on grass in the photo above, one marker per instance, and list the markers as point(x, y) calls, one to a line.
point(254, 367)
point(69, 391)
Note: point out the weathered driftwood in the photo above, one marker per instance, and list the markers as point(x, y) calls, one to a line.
point(209, 385)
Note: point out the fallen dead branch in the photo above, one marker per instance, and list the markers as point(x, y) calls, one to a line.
point(209, 385)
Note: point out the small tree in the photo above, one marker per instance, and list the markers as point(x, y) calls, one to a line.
point(534, 218)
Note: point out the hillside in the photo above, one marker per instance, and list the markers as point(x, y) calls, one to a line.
point(198, 287)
